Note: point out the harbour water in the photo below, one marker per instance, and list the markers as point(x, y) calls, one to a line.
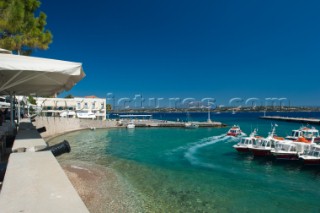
point(197, 170)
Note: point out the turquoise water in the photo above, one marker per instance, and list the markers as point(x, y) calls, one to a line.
point(197, 170)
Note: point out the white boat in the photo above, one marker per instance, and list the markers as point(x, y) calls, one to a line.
point(295, 134)
point(290, 150)
point(305, 132)
point(131, 125)
point(267, 144)
point(85, 114)
point(311, 156)
point(191, 125)
point(67, 113)
point(235, 131)
point(247, 143)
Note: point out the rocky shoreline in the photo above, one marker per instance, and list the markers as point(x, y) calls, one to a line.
point(101, 188)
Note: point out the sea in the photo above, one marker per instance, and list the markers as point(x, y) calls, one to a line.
point(197, 170)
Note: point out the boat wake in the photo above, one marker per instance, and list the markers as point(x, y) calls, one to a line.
point(204, 140)
point(191, 152)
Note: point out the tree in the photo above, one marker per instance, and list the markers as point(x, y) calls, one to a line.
point(31, 100)
point(69, 96)
point(108, 106)
point(20, 29)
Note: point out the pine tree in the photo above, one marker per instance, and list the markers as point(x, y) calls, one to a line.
point(69, 96)
point(20, 29)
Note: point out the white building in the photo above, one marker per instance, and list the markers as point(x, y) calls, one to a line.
point(73, 107)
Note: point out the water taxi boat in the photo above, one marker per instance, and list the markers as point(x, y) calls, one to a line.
point(246, 143)
point(306, 133)
point(290, 150)
point(311, 156)
point(266, 145)
point(235, 131)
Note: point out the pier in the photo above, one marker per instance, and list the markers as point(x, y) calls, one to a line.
point(162, 123)
point(293, 119)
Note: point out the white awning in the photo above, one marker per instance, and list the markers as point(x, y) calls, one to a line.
point(5, 51)
point(25, 75)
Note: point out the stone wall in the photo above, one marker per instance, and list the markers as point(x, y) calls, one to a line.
point(57, 125)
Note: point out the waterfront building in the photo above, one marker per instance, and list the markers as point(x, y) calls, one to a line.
point(72, 106)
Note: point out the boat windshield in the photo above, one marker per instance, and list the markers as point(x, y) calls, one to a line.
point(293, 148)
point(257, 142)
point(310, 134)
point(254, 141)
point(283, 147)
point(314, 151)
point(295, 133)
point(316, 154)
point(265, 143)
point(242, 141)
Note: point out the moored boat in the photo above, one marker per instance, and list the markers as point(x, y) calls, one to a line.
point(67, 113)
point(86, 114)
point(290, 150)
point(131, 125)
point(311, 156)
point(246, 143)
point(266, 145)
point(305, 132)
point(191, 125)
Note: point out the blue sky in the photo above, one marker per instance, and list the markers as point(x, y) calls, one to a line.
point(205, 48)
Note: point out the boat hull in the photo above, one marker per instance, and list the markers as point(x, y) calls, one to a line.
point(261, 152)
point(242, 149)
point(311, 162)
point(285, 156)
point(234, 135)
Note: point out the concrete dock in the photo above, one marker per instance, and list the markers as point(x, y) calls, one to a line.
point(180, 124)
point(293, 119)
point(162, 123)
point(34, 181)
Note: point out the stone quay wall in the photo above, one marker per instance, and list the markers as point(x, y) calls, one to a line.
point(57, 125)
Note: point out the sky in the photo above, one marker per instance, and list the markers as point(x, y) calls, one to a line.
point(190, 49)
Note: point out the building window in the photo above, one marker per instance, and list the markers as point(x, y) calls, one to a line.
point(86, 105)
point(78, 105)
point(93, 105)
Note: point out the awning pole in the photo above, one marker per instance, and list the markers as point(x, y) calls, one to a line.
point(18, 115)
point(11, 110)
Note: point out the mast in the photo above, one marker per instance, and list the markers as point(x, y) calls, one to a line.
point(209, 120)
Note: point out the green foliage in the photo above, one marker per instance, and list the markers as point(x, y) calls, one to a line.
point(31, 110)
point(31, 100)
point(108, 106)
point(69, 96)
point(20, 30)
